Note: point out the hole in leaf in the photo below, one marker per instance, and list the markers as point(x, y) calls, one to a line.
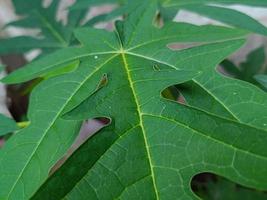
point(181, 46)
point(98, 16)
point(158, 21)
point(174, 94)
point(197, 97)
point(103, 82)
point(88, 129)
point(2, 142)
point(17, 103)
point(209, 186)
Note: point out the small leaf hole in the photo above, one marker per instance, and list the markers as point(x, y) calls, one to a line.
point(182, 46)
point(88, 129)
point(174, 94)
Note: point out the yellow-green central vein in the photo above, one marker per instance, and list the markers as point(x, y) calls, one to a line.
point(129, 76)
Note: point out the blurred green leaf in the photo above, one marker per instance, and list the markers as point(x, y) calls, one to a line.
point(53, 34)
point(7, 125)
point(2, 67)
point(262, 79)
point(222, 189)
point(253, 65)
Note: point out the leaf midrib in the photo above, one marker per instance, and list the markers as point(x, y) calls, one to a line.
point(123, 54)
point(129, 77)
point(53, 31)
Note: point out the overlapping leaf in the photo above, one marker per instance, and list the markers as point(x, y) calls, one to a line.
point(207, 8)
point(7, 125)
point(262, 79)
point(253, 65)
point(53, 34)
point(153, 146)
point(226, 15)
point(214, 10)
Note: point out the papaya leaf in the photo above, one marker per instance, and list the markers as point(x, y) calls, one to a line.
point(153, 146)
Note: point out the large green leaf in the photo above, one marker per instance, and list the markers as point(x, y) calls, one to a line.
point(153, 146)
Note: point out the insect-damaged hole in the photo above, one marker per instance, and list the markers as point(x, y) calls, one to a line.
point(174, 94)
point(182, 46)
point(212, 186)
point(88, 129)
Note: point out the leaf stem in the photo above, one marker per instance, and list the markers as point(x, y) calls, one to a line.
point(23, 124)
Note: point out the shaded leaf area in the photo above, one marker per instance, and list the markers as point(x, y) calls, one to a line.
point(53, 34)
point(7, 125)
point(17, 102)
point(254, 65)
point(210, 187)
point(169, 8)
point(153, 146)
